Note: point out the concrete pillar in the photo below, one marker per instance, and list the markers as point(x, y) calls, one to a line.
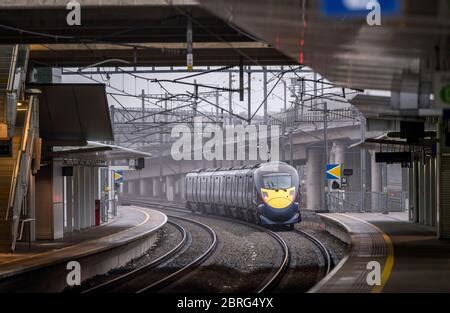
point(126, 187)
point(182, 187)
point(427, 191)
point(170, 188)
point(405, 186)
point(87, 196)
point(376, 184)
point(93, 193)
point(58, 201)
point(414, 190)
point(69, 204)
point(150, 187)
point(421, 191)
point(315, 180)
point(142, 187)
point(433, 191)
point(132, 187)
point(157, 188)
point(82, 196)
point(339, 148)
point(76, 198)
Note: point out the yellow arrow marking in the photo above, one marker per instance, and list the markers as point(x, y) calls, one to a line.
point(335, 171)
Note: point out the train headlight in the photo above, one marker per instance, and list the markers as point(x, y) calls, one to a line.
point(292, 194)
point(265, 196)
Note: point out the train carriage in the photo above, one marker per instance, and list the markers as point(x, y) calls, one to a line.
point(266, 193)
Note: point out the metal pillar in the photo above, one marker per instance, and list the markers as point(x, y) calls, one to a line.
point(421, 191)
point(76, 198)
point(362, 122)
point(314, 182)
point(143, 187)
point(249, 97)
point(325, 142)
point(230, 98)
point(170, 188)
point(427, 191)
point(265, 94)
point(291, 152)
point(376, 183)
point(433, 191)
point(69, 204)
point(384, 177)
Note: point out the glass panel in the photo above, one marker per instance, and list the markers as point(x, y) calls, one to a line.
point(277, 181)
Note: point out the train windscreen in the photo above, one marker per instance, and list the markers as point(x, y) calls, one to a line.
point(277, 181)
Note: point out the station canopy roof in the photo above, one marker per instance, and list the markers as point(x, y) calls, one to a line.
point(98, 151)
point(73, 113)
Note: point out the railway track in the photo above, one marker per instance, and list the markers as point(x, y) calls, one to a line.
point(127, 278)
point(272, 281)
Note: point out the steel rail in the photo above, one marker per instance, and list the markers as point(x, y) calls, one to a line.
point(169, 279)
point(108, 285)
point(271, 282)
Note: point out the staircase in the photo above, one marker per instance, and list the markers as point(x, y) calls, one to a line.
point(6, 173)
point(11, 67)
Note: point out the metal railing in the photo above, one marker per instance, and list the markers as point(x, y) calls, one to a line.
point(294, 116)
point(382, 202)
point(19, 182)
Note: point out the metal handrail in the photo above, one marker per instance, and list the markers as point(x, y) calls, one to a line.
point(12, 68)
point(17, 166)
point(19, 183)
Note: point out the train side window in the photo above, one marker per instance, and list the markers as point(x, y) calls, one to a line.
point(228, 190)
point(211, 188)
point(204, 189)
point(238, 190)
point(244, 190)
point(197, 189)
point(189, 188)
point(250, 189)
point(224, 189)
point(235, 189)
point(217, 190)
point(194, 188)
point(222, 185)
point(207, 189)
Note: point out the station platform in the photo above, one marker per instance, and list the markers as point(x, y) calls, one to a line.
point(412, 258)
point(97, 249)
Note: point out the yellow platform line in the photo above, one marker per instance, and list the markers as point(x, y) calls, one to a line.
point(389, 263)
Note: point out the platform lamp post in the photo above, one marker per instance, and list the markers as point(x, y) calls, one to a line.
point(362, 122)
point(325, 140)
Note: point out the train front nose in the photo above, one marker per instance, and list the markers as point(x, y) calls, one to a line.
point(279, 206)
point(278, 198)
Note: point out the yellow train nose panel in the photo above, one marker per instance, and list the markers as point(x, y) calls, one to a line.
point(279, 198)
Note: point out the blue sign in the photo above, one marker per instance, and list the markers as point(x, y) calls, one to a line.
point(357, 8)
point(333, 171)
point(118, 176)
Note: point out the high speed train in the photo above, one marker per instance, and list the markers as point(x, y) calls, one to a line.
point(266, 193)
